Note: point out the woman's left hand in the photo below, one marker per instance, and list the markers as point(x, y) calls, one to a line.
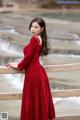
point(13, 65)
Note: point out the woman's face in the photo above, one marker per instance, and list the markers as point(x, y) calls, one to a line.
point(36, 29)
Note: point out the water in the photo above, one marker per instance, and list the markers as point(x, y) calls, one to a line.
point(75, 100)
point(67, 16)
point(6, 45)
point(9, 29)
point(67, 106)
point(10, 52)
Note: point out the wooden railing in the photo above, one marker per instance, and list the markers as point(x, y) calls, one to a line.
point(55, 93)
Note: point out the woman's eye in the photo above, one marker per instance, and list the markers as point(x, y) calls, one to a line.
point(36, 27)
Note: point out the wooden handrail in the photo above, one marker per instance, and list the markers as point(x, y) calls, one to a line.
point(66, 93)
point(55, 93)
point(8, 70)
point(63, 67)
point(10, 96)
point(49, 68)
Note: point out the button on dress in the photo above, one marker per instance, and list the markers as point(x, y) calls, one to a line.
point(37, 101)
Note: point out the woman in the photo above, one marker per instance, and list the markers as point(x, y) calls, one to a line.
point(37, 101)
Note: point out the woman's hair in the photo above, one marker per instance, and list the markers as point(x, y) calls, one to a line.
point(43, 34)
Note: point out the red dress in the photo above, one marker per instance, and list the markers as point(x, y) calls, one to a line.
point(36, 98)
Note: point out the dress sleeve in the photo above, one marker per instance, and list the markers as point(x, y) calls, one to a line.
point(28, 51)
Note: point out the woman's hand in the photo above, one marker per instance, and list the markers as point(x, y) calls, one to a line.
point(13, 65)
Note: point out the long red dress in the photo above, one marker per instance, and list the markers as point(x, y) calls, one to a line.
point(37, 101)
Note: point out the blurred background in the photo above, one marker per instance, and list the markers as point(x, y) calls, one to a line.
point(62, 18)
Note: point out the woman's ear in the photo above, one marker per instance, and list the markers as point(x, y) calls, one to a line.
point(42, 29)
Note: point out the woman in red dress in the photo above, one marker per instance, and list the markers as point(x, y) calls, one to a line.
point(37, 101)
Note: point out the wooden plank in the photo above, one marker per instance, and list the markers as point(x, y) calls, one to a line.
point(63, 67)
point(8, 70)
point(68, 117)
point(55, 93)
point(49, 68)
point(58, 117)
point(10, 96)
point(66, 93)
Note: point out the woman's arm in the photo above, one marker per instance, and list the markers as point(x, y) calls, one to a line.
point(29, 51)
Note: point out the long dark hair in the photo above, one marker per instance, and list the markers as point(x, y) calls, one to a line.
point(43, 34)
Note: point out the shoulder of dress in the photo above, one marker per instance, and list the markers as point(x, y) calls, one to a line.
point(34, 39)
point(37, 39)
